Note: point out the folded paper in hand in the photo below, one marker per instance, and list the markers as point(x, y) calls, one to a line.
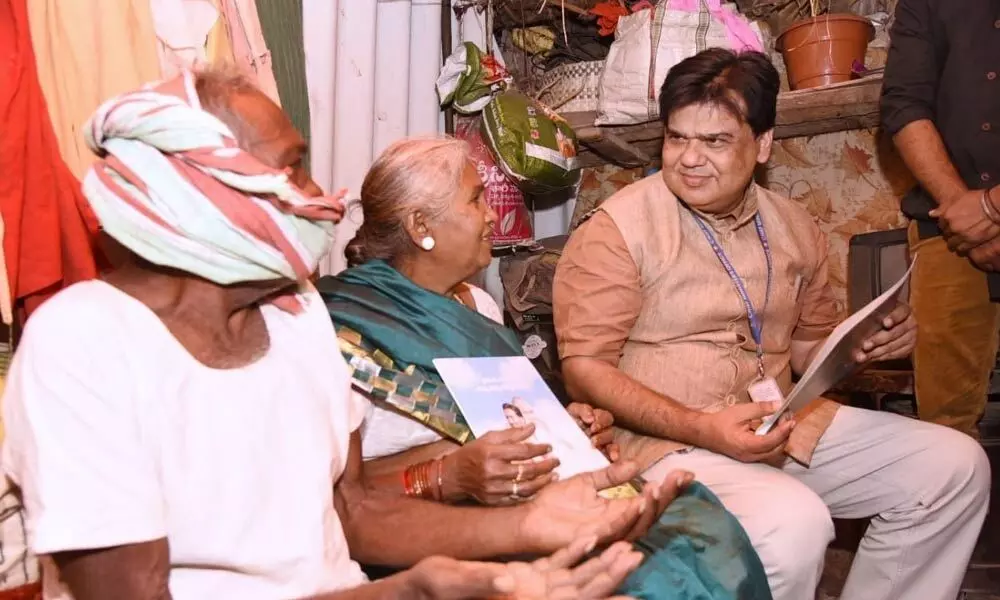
point(835, 359)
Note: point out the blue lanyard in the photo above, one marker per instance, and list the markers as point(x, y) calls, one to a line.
point(756, 321)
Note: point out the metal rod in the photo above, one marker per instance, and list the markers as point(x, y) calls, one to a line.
point(446, 48)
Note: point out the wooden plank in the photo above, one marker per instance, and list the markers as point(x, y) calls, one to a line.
point(620, 151)
point(801, 113)
point(826, 126)
point(838, 107)
point(593, 157)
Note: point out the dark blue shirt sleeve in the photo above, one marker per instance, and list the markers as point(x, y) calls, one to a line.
point(913, 67)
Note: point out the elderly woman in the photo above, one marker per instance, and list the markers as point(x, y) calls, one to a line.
point(406, 301)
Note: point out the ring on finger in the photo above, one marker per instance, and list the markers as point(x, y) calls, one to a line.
point(520, 473)
point(513, 491)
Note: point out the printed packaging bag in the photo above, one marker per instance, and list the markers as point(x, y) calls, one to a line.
point(502, 194)
point(532, 144)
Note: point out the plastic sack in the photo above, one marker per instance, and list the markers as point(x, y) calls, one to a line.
point(514, 224)
point(470, 78)
point(533, 145)
point(649, 42)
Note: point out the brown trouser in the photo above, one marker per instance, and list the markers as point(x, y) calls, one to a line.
point(956, 335)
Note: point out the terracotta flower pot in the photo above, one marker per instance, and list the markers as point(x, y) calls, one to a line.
point(820, 50)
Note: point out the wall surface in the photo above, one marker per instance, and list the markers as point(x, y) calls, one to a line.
point(850, 181)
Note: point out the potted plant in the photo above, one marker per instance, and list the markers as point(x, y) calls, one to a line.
point(823, 48)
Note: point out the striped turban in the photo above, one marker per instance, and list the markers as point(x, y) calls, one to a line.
point(176, 189)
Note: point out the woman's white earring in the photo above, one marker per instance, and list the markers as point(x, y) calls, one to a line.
point(427, 243)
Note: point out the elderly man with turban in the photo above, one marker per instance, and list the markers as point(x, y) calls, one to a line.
point(183, 426)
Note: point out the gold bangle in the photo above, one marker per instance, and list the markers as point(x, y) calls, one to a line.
point(418, 488)
point(421, 480)
point(439, 496)
point(425, 479)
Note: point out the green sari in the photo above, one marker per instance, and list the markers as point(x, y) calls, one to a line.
point(390, 330)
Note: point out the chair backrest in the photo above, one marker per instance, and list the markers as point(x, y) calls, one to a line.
point(875, 261)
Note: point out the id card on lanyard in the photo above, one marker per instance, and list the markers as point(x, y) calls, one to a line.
point(764, 389)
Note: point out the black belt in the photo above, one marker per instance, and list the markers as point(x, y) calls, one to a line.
point(927, 229)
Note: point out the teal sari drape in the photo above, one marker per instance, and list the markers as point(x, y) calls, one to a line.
point(697, 550)
point(409, 323)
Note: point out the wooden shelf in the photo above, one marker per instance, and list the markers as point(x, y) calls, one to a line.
point(837, 107)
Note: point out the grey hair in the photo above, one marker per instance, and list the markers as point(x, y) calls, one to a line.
point(419, 174)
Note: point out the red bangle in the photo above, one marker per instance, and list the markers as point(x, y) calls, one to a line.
point(417, 481)
point(407, 484)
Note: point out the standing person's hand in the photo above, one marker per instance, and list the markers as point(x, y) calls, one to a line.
point(896, 340)
point(596, 423)
point(964, 224)
point(569, 509)
point(498, 468)
point(551, 578)
point(731, 432)
point(986, 257)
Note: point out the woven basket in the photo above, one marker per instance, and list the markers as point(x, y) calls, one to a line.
point(572, 87)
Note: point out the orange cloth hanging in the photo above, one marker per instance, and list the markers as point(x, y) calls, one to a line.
point(49, 228)
point(608, 13)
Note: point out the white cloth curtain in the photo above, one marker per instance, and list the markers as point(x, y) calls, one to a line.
point(371, 66)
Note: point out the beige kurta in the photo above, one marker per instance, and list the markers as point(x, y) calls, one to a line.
point(640, 287)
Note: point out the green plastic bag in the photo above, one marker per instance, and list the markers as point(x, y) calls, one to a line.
point(532, 144)
point(470, 78)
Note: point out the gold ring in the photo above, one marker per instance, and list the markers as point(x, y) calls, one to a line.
point(520, 473)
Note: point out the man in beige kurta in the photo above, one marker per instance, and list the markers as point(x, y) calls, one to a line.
point(653, 300)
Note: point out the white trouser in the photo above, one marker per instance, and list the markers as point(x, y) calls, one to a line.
point(927, 486)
